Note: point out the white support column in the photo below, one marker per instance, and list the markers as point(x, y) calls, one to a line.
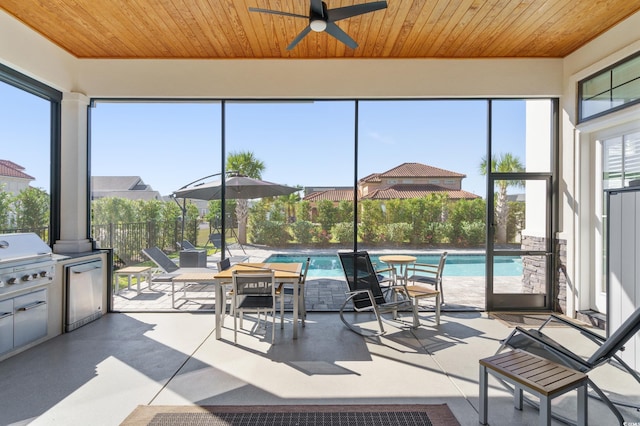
point(73, 185)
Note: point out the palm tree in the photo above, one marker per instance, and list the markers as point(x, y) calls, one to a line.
point(244, 163)
point(504, 163)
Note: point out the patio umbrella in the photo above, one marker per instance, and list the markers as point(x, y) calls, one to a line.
point(236, 187)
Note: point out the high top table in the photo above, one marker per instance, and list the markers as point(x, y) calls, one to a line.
point(400, 261)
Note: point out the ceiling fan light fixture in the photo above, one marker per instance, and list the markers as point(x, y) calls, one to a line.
point(318, 25)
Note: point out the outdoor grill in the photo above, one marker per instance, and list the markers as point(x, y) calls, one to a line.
point(25, 262)
point(26, 269)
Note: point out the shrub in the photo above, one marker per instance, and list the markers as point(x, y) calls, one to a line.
point(273, 233)
point(303, 231)
point(398, 233)
point(473, 233)
point(343, 232)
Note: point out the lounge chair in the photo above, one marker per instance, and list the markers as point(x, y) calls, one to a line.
point(365, 292)
point(166, 267)
point(186, 245)
point(536, 342)
point(167, 270)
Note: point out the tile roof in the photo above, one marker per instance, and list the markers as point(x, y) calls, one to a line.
point(413, 170)
point(405, 191)
point(401, 191)
point(11, 169)
point(331, 195)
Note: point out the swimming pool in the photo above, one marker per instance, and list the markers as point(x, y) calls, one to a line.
point(458, 265)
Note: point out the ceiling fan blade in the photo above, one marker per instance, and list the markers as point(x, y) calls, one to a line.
point(316, 7)
point(299, 37)
point(337, 32)
point(276, 12)
point(357, 9)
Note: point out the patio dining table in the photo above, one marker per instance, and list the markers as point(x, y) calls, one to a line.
point(399, 261)
point(288, 273)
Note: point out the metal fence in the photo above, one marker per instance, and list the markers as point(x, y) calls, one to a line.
point(129, 239)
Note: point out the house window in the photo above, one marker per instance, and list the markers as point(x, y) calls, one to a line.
point(621, 161)
point(609, 90)
point(449, 181)
point(434, 181)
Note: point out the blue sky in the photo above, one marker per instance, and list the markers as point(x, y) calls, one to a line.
point(300, 143)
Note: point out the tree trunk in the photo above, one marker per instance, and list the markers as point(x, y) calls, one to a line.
point(242, 212)
point(502, 213)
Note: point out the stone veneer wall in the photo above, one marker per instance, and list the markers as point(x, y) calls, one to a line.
point(534, 269)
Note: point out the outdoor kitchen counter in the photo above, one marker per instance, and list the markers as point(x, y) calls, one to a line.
point(55, 296)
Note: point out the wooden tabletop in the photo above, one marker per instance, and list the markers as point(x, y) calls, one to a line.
point(133, 270)
point(289, 271)
point(397, 258)
point(534, 372)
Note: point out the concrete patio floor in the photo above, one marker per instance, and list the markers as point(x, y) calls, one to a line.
point(99, 373)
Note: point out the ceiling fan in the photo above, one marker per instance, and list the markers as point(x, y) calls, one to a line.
point(323, 19)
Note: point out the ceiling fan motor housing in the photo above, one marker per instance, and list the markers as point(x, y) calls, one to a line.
point(318, 21)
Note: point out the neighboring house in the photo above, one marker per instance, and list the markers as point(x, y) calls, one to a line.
point(130, 187)
point(13, 179)
point(408, 180)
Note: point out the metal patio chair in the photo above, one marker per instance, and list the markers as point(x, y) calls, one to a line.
point(426, 273)
point(254, 291)
point(366, 294)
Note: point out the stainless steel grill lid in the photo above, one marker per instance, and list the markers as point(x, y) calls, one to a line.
point(23, 246)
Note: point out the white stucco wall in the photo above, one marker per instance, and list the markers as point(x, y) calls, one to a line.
point(577, 157)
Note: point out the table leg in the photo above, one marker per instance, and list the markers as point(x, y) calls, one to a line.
point(173, 294)
point(219, 309)
point(582, 405)
point(482, 411)
point(296, 302)
point(545, 411)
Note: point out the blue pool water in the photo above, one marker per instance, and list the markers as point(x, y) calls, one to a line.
point(468, 265)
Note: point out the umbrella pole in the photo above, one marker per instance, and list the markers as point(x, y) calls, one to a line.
point(184, 213)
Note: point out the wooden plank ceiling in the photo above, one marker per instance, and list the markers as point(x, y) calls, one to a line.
point(225, 29)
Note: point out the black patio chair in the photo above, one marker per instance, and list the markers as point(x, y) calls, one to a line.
point(366, 294)
point(536, 342)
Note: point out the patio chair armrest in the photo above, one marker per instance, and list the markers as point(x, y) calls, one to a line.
point(551, 346)
point(379, 271)
point(596, 338)
point(423, 267)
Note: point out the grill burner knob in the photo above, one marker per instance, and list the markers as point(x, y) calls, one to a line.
point(11, 280)
point(26, 277)
point(42, 274)
point(34, 275)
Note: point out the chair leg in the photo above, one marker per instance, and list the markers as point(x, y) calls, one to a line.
point(302, 305)
point(273, 324)
point(235, 326)
point(282, 309)
point(439, 288)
